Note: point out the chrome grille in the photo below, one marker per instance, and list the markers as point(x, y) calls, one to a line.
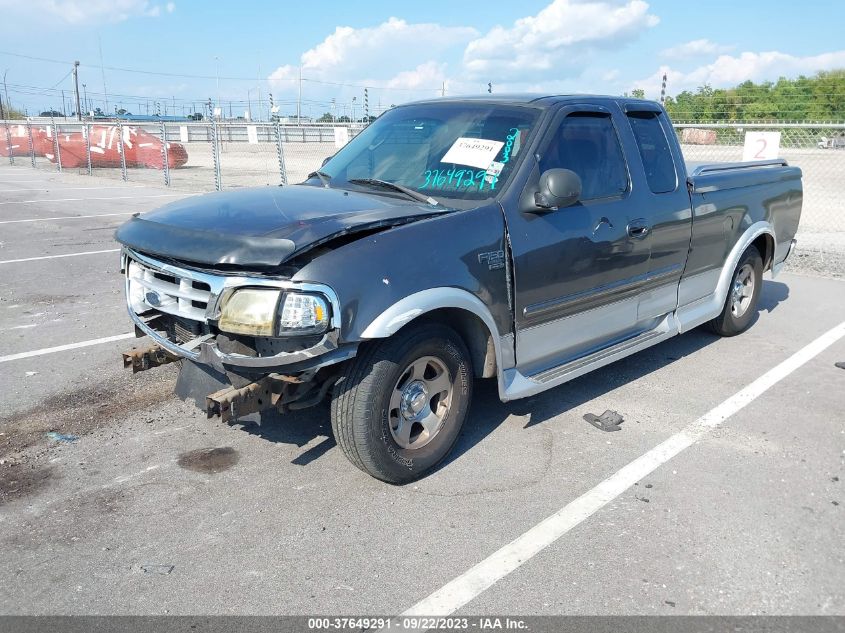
point(151, 289)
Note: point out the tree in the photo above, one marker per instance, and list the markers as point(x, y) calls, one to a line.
point(326, 118)
point(817, 98)
point(638, 93)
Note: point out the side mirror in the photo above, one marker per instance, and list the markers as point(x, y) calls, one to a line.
point(558, 188)
point(325, 160)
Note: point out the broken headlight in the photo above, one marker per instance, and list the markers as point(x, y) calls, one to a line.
point(267, 312)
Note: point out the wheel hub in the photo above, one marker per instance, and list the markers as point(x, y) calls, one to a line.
point(414, 399)
point(420, 402)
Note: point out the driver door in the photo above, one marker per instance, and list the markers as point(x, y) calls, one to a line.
point(576, 269)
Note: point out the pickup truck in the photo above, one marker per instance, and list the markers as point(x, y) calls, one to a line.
point(526, 239)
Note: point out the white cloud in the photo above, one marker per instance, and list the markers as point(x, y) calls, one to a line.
point(83, 11)
point(425, 76)
point(695, 48)
point(558, 38)
point(727, 70)
point(394, 58)
point(170, 6)
point(391, 47)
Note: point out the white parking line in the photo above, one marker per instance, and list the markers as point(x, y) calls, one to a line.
point(32, 259)
point(67, 217)
point(157, 195)
point(485, 574)
point(62, 348)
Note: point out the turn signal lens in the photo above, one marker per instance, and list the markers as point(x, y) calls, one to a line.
point(303, 314)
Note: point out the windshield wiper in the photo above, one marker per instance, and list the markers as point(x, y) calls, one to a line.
point(323, 176)
point(385, 184)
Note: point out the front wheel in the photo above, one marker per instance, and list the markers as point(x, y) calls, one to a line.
point(743, 294)
point(399, 406)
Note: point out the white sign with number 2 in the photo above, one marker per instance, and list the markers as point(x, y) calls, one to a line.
point(761, 146)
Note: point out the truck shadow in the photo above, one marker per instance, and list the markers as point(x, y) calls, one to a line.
point(487, 412)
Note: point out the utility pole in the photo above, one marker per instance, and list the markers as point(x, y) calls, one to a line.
point(6, 92)
point(76, 90)
point(103, 72)
point(85, 98)
point(64, 109)
point(443, 89)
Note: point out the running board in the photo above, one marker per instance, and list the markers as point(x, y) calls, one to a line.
point(518, 385)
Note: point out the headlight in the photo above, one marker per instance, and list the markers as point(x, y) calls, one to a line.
point(258, 312)
point(303, 314)
point(250, 311)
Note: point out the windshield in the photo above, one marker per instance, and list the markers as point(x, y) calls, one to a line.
point(449, 151)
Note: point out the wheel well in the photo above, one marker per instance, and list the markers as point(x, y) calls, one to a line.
point(765, 244)
point(473, 332)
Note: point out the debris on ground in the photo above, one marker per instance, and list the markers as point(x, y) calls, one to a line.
point(161, 570)
point(608, 421)
point(841, 364)
point(62, 437)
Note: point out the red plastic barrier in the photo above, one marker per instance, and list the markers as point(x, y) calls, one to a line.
point(142, 149)
point(41, 143)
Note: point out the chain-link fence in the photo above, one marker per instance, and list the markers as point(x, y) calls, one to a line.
point(209, 155)
point(819, 150)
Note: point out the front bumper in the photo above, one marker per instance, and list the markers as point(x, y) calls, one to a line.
point(204, 348)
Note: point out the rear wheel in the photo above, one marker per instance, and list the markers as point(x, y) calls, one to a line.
point(743, 294)
point(399, 406)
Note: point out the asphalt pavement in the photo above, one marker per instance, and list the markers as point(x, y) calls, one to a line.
point(117, 498)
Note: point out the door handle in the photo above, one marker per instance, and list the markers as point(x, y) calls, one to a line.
point(638, 229)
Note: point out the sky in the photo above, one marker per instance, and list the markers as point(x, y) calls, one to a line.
point(182, 52)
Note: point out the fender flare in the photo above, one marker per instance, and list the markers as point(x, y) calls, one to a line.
point(414, 305)
point(701, 311)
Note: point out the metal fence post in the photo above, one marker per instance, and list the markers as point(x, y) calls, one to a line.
point(56, 149)
point(9, 143)
point(87, 130)
point(283, 176)
point(122, 150)
point(215, 155)
point(31, 143)
point(164, 161)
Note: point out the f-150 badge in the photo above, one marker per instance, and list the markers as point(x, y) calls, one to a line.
point(494, 259)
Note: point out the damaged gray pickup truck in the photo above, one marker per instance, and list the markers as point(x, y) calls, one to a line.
point(525, 239)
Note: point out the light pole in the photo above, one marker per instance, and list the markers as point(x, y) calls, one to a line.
point(85, 98)
point(352, 109)
point(217, 66)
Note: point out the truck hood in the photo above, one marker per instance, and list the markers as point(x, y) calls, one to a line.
point(263, 226)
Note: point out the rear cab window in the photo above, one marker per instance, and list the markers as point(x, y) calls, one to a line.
point(650, 135)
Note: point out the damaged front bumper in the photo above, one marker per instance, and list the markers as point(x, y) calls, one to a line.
point(181, 283)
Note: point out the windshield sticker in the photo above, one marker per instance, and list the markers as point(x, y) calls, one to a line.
point(453, 179)
point(512, 144)
point(475, 152)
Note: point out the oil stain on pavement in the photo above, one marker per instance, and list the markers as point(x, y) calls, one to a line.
point(209, 460)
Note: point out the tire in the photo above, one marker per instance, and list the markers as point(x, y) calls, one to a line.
point(399, 405)
point(743, 294)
